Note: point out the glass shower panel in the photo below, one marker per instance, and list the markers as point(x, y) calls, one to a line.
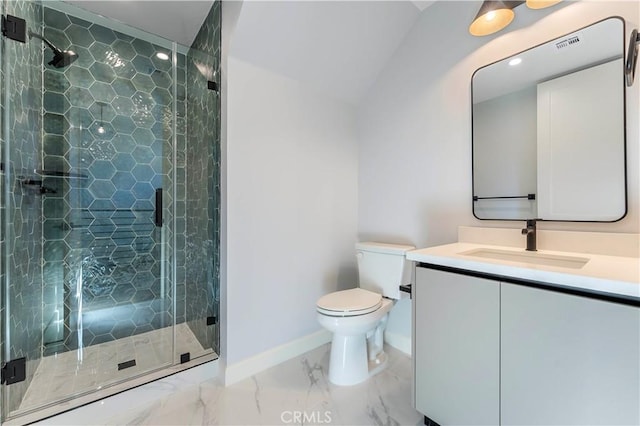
point(21, 204)
point(201, 188)
point(88, 222)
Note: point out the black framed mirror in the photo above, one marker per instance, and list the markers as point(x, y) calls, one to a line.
point(548, 130)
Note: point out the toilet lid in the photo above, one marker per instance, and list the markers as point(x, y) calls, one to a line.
point(355, 301)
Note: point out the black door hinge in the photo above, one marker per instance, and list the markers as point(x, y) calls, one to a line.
point(185, 357)
point(14, 28)
point(212, 320)
point(212, 85)
point(14, 371)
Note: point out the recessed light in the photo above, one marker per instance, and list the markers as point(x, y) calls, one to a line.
point(162, 55)
point(515, 61)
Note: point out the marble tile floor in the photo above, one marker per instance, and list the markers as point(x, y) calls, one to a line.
point(74, 372)
point(295, 392)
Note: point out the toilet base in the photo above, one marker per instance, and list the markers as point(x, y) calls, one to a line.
point(349, 364)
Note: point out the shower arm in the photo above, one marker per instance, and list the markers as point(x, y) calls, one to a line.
point(47, 42)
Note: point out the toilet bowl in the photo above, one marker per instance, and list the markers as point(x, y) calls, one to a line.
point(357, 317)
point(356, 345)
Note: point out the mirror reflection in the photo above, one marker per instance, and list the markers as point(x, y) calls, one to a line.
point(548, 130)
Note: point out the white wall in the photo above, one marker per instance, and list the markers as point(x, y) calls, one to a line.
point(415, 124)
point(292, 167)
point(297, 172)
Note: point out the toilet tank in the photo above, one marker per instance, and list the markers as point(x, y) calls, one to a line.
point(383, 267)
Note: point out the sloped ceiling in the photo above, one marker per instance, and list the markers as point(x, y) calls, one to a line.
point(337, 48)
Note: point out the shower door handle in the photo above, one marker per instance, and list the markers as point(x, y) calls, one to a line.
point(158, 213)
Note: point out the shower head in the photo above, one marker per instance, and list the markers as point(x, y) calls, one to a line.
point(61, 58)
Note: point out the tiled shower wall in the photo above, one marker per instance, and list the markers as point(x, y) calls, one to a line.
point(96, 189)
point(99, 233)
point(203, 181)
point(22, 210)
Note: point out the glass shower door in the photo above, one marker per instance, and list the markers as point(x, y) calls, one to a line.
point(88, 215)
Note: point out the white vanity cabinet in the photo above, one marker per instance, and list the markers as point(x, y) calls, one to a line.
point(456, 348)
point(491, 352)
point(567, 360)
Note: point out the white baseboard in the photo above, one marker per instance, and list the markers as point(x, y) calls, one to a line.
point(234, 373)
point(398, 341)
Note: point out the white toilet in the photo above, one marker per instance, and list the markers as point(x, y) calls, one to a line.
point(357, 317)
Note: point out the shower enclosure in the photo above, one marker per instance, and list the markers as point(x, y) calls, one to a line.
point(109, 203)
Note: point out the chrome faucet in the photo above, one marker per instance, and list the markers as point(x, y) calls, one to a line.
point(530, 232)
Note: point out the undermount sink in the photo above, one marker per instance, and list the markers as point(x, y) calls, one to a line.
point(531, 257)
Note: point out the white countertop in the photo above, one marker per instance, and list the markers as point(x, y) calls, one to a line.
point(614, 275)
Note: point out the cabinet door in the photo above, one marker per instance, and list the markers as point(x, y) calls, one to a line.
point(456, 348)
point(567, 359)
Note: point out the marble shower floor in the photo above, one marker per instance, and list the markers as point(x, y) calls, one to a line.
point(74, 372)
point(294, 392)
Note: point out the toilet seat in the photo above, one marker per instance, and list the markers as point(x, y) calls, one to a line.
point(346, 303)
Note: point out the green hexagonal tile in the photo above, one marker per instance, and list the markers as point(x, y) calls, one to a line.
point(55, 123)
point(143, 154)
point(123, 105)
point(55, 81)
point(102, 111)
point(102, 92)
point(124, 162)
point(143, 64)
point(79, 96)
point(102, 169)
point(80, 117)
point(54, 145)
point(143, 48)
point(77, 21)
point(143, 118)
point(101, 189)
point(124, 49)
point(123, 144)
point(56, 19)
point(79, 36)
point(79, 77)
point(102, 72)
point(123, 124)
point(161, 78)
point(84, 57)
point(55, 102)
point(102, 34)
point(143, 82)
point(125, 70)
point(123, 87)
point(143, 137)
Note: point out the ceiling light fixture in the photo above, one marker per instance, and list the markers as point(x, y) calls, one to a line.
point(541, 4)
point(162, 55)
point(495, 15)
point(492, 16)
point(515, 61)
